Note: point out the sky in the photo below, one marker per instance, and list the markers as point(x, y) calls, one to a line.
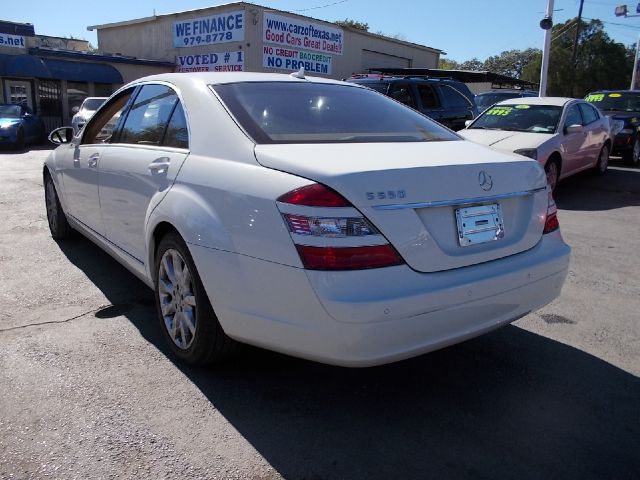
point(464, 29)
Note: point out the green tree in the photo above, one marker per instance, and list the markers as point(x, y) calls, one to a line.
point(511, 62)
point(601, 63)
point(448, 64)
point(347, 22)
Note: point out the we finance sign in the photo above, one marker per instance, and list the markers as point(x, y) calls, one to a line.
point(225, 27)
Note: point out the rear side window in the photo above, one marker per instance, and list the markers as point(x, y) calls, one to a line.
point(177, 133)
point(428, 96)
point(453, 98)
point(149, 115)
point(589, 113)
point(402, 93)
point(296, 112)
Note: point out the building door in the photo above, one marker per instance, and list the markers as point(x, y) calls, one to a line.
point(18, 91)
point(50, 104)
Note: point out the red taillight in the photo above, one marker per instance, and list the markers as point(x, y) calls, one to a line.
point(328, 239)
point(315, 195)
point(551, 223)
point(348, 258)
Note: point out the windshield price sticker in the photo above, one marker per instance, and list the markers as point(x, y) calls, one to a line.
point(499, 111)
point(521, 107)
point(595, 97)
point(615, 95)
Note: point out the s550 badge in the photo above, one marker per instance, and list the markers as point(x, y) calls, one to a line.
point(388, 195)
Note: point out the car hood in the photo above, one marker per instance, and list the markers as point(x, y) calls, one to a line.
point(505, 140)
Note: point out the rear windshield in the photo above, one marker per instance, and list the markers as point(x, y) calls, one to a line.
point(621, 101)
point(296, 112)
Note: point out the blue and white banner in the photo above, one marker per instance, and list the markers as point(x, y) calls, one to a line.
point(296, 33)
point(222, 28)
point(211, 62)
point(288, 59)
point(7, 40)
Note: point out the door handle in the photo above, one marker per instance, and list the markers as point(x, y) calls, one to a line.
point(159, 165)
point(92, 162)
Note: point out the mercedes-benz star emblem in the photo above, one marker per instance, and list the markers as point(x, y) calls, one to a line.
point(485, 180)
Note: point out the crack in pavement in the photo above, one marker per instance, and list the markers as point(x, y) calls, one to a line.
point(19, 327)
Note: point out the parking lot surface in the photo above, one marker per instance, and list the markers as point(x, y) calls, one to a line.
point(88, 390)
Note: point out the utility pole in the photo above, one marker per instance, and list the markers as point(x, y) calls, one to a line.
point(546, 25)
point(575, 40)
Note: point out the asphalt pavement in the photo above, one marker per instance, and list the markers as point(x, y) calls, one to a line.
point(88, 389)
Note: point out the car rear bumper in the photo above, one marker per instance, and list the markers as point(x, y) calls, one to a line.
point(370, 317)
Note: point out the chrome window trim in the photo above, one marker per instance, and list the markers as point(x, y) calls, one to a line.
point(459, 201)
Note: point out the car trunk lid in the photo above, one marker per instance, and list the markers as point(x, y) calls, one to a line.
point(420, 195)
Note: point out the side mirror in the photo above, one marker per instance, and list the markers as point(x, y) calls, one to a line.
point(75, 109)
point(61, 135)
point(467, 123)
point(573, 129)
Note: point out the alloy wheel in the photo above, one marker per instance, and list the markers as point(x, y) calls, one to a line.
point(177, 298)
point(52, 205)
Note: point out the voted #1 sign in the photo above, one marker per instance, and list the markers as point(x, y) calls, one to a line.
point(211, 62)
point(225, 27)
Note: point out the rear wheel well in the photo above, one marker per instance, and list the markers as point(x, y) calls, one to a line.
point(162, 229)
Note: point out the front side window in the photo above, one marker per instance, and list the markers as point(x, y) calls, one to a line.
point(101, 127)
point(573, 117)
point(149, 115)
point(296, 112)
point(588, 113)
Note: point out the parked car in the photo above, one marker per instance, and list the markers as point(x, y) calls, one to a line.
point(486, 99)
point(308, 216)
point(19, 126)
point(623, 106)
point(447, 101)
point(86, 111)
point(565, 135)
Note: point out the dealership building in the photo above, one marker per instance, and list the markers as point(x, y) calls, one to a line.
point(53, 75)
point(242, 36)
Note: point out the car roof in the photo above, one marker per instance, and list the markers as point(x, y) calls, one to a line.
point(217, 78)
point(509, 92)
point(556, 101)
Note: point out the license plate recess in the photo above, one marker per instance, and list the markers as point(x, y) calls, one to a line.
point(479, 224)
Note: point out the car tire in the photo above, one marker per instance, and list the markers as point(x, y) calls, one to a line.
point(633, 157)
point(603, 161)
point(57, 219)
point(552, 169)
point(187, 319)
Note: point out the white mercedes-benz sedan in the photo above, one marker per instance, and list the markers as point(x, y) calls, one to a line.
point(305, 215)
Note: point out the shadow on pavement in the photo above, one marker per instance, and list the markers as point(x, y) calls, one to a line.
point(619, 188)
point(511, 404)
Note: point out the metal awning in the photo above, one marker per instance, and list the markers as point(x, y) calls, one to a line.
point(23, 66)
point(34, 66)
point(82, 71)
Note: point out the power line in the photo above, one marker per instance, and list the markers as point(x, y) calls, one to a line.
point(613, 23)
point(321, 6)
